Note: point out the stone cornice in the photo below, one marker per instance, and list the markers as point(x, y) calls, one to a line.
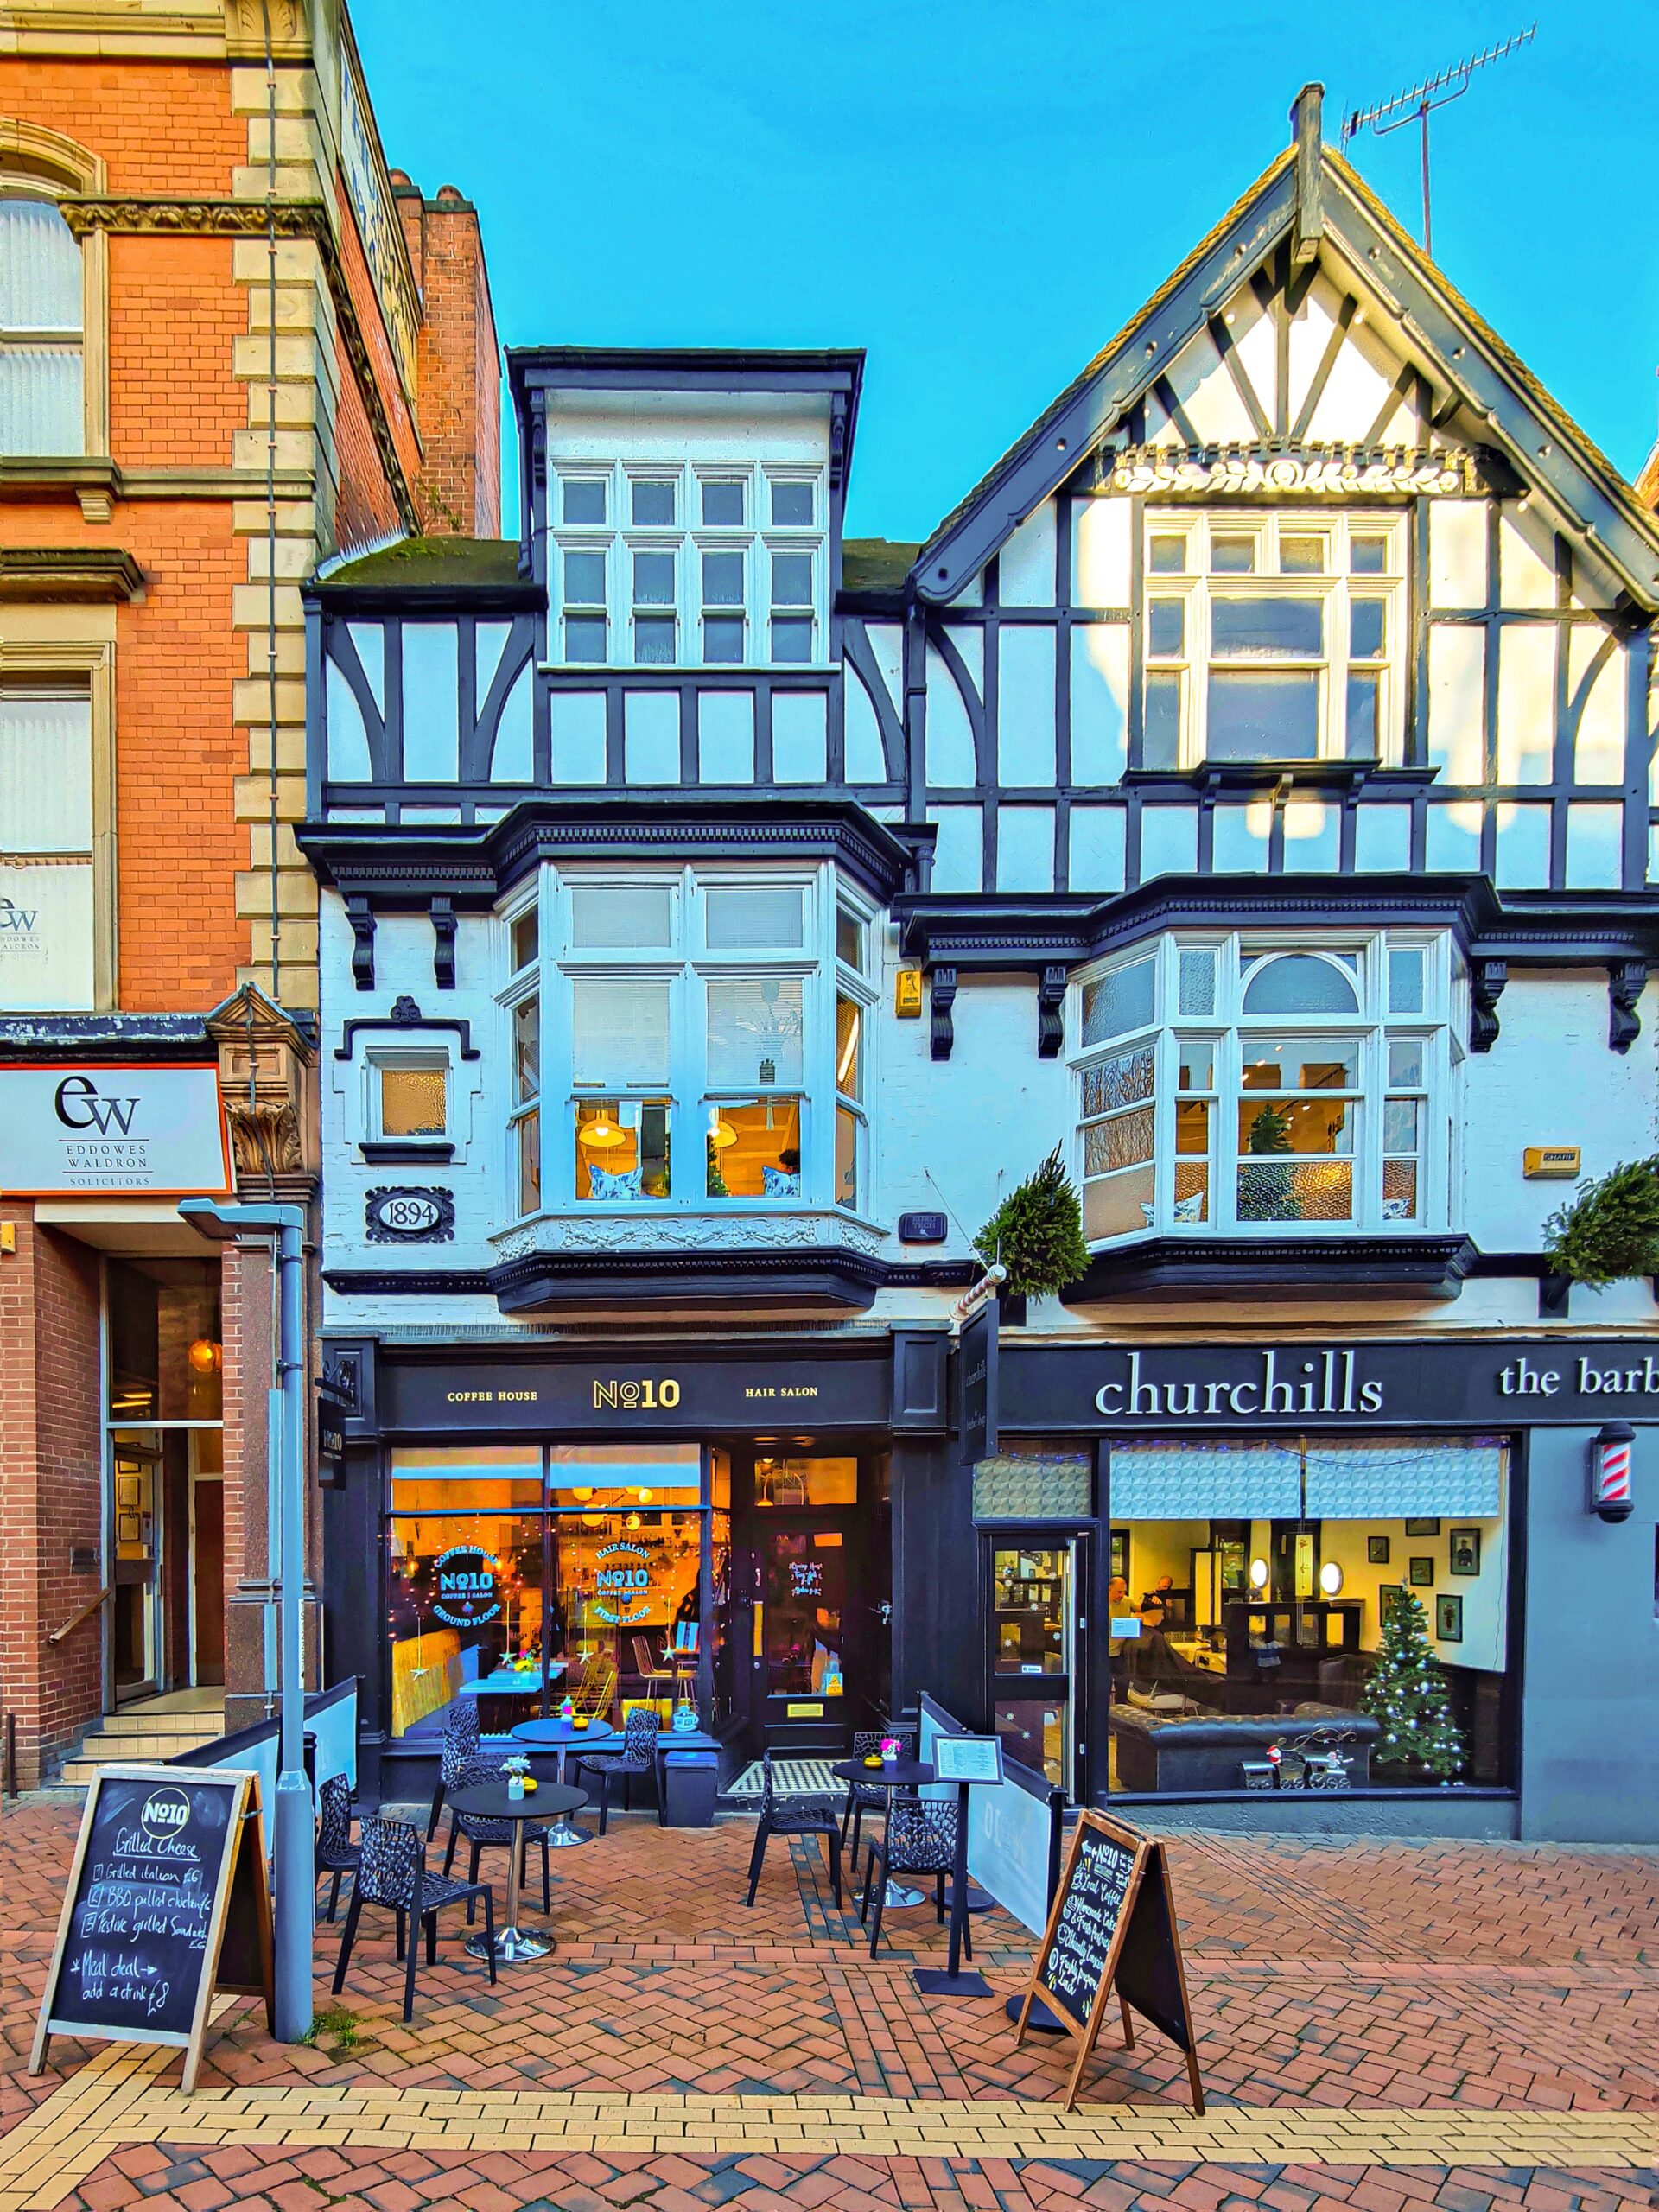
point(289, 218)
point(1278, 466)
point(53, 574)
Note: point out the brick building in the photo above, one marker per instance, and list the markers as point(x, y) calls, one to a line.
point(232, 344)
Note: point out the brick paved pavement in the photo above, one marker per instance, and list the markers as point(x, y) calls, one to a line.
point(1361, 2007)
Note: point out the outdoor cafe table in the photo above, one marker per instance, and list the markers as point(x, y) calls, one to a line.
point(555, 1735)
point(891, 1774)
point(490, 1800)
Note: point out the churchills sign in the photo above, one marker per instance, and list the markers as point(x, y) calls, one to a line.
point(1325, 1383)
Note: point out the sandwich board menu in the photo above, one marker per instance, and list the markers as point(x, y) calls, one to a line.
point(168, 1900)
point(1111, 1930)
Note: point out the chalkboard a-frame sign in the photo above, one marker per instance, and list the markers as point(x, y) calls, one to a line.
point(1111, 1929)
point(167, 1902)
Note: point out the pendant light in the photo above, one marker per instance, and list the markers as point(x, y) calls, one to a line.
point(602, 1133)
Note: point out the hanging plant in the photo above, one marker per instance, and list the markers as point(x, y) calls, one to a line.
point(1037, 1232)
point(1609, 1230)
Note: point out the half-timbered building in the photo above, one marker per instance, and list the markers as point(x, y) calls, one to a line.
point(1247, 790)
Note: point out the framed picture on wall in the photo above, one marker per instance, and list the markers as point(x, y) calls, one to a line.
point(1377, 1551)
point(1448, 1620)
point(126, 1528)
point(1465, 1551)
point(1422, 1527)
point(1421, 1574)
point(126, 1493)
point(1121, 1553)
point(1388, 1595)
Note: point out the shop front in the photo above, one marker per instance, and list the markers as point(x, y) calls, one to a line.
point(703, 1531)
point(1184, 1578)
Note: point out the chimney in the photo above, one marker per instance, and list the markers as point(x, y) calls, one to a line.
point(459, 403)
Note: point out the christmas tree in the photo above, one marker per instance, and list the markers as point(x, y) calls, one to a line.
point(1268, 1193)
point(1406, 1695)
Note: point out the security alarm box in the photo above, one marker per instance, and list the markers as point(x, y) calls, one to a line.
point(907, 992)
point(1547, 1163)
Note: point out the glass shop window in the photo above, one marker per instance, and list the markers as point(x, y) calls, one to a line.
point(166, 1356)
point(625, 1475)
point(802, 1586)
point(800, 1484)
point(1286, 1592)
point(465, 1616)
point(412, 1097)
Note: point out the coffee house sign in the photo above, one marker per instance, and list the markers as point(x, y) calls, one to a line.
point(1487, 1381)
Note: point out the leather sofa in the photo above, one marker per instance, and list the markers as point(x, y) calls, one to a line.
point(1206, 1750)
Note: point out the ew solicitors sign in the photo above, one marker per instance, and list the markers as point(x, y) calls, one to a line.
point(132, 1132)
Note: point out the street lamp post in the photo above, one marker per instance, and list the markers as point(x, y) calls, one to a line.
point(294, 1829)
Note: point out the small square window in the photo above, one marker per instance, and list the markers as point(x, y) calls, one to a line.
point(1406, 980)
point(584, 638)
point(584, 580)
point(1232, 553)
point(723, 504)
point(1166, 626)
point(1166, 554)
point(792, 639)
point(584, 498)
point(653, 580)
point(414, 1099)
point(722, 580)
point(1406, 1063)
point(722, 637)
point(653, 501)
point(791, 580)
point(525, 939)
point(1301, 556)
point(1368, 556)
point(654, 639)
point(791, 504)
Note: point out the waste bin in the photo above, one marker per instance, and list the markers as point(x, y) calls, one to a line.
point(691, 1780)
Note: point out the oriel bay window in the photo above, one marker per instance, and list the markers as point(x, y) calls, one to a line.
point(1245, 1083)
point(1273, 636)
point(707, 1033)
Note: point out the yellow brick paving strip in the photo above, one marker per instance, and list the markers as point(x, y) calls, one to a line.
point(115, 2100)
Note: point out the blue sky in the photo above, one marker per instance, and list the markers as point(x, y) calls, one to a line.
point(979, 194)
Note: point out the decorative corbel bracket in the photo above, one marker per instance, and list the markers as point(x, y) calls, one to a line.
point(443, 943)
point(1486, 982)
point(360, 915)
point(1051, 1022)
point(1626, 980)
point(941, 996)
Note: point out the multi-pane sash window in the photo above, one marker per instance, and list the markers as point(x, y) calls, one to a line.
point(40, 331)
point(1271, 636)
point(695, 565)
point(1246, 1084)
point(702, 1025)
point(46, 897)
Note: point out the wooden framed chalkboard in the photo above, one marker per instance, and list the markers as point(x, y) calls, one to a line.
point(1112, 1929)
point(168, 1900)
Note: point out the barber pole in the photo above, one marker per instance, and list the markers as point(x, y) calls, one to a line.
point(1610, 1471)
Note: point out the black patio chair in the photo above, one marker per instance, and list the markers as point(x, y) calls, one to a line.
point(794, 1816)
point(336, 1853)
point(637, 1756)
point(393, 1874)
point(864, 1797)
point(481, 1833)
point(919, 1838)
point(460, 1748)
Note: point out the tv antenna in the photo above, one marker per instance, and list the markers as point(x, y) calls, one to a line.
point(1419, 103)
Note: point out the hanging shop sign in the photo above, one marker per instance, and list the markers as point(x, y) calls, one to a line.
point(467, 1579)
point(1488, 1382)
point(978, 1355)
point(100, 1126)
point(752, 1393)
point(622, 1588)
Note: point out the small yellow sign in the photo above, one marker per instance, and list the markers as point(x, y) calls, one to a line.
point(804, 1712)
point(1546, 1163)
point(907, 992)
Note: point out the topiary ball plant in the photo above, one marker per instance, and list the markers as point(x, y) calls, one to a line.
point(1037, 1232)
point(1609, 1231)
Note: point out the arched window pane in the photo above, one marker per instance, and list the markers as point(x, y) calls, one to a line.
point(40, 270)
point(1299, 984)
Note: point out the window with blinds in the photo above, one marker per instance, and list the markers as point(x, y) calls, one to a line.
point(46, 897)
point(41, 408)
point(1348, 1478)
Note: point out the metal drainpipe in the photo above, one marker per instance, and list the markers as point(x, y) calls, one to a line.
point(270, 483)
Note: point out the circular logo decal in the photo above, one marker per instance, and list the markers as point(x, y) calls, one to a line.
point(466, 1585)
point(167, 1812)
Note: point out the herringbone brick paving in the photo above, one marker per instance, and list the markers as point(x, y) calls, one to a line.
point(1400, 1991)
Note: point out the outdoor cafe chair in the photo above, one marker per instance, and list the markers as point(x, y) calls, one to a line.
point(794, 1816)
point(336, 1853)
point(637, 1756)
point(393, 1875)
point(919, 1838)
point(480, 1833)
point(462, 1738)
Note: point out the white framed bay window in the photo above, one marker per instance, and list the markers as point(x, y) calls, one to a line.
point(1246, 1083)
point(703, 1040)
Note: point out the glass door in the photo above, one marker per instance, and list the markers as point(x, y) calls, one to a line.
point(135, 1637)
point(1036, 1663)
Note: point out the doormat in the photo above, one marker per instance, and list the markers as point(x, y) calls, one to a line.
point(789, 1778)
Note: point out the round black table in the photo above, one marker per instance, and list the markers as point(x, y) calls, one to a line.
point(892, 1774)
point(490, 1800)
point(556, 1735)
